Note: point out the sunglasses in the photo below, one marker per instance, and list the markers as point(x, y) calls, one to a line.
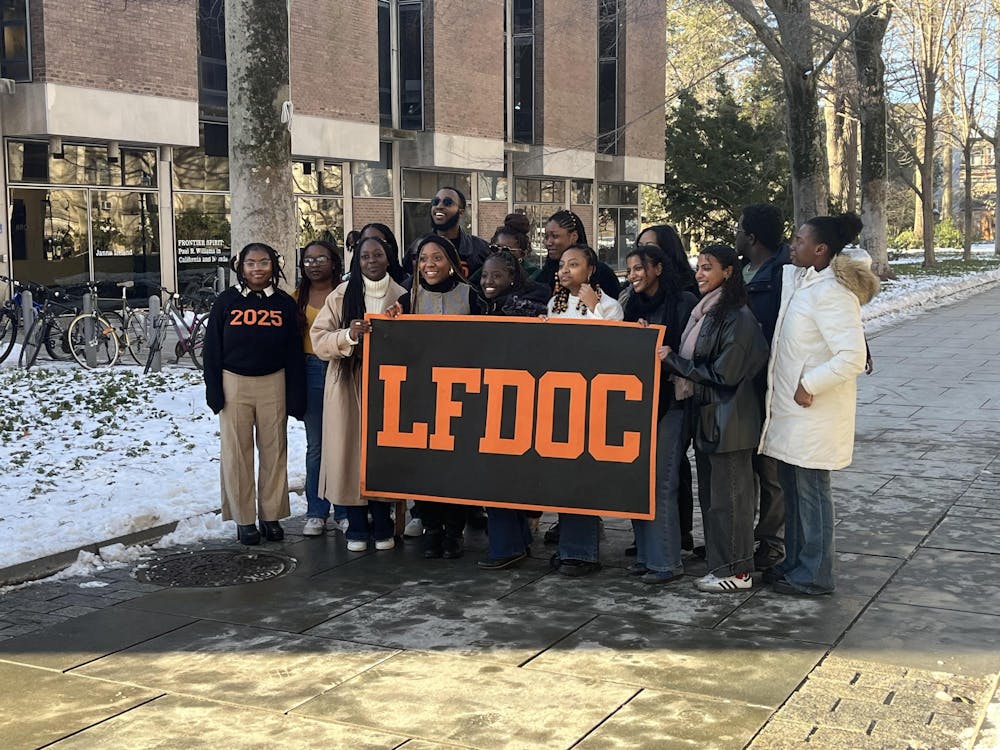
point(447, 202)
point(320, 261)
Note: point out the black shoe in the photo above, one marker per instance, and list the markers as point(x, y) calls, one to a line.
point(272, 531)
point(766, 557)
point(552, 534)
point(771, 575)
point(433, 544)
point(687, 541)
point(631, 551)
point(699, 551)
point(637, 569)
point(248, 534)
point(578, 568)
point(477, 519)
point(499, 563)
point(453, 548)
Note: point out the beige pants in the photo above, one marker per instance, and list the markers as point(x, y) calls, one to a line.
point(254, 403)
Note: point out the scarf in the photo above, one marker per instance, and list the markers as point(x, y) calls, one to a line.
point(684, 388)
point(639, 305)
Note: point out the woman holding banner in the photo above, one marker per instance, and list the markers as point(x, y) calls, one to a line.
point(337, 336)
point(721, 350)
point(579, 296)
point(655, 297)
point(440, 289)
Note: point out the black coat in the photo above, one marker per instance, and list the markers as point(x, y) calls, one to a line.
point(530, 301)
point(764, 292)
point(727, 412)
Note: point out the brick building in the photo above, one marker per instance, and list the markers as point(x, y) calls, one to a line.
point(116, 142)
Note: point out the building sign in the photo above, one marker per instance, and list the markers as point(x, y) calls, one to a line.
point(512, 412)
point(202, 251)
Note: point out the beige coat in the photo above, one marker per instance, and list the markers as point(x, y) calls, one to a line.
point(340, 466)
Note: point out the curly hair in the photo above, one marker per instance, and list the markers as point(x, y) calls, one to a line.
point(560, 300)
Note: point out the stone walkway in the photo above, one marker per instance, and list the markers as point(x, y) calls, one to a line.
point(387, 650)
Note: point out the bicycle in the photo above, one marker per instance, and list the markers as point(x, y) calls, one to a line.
point(10, 321)
point(190, 336)
point(48, 327)
point(89, 329)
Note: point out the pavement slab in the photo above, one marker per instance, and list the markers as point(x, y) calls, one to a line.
point(816, 619)
point(40, 706)
point(967, 581)
point(656, 720)
point(238, 664)
point(747, 668)
point(210, 725)
point(488, 705)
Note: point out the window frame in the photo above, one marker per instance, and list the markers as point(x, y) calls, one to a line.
point(25, 23)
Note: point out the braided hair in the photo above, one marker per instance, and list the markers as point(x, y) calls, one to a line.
point(506, 258)
point(277, 275)
point(392, 249)
point(354, 305)
point(302, 293)
point(571, 223)
point(560, 303)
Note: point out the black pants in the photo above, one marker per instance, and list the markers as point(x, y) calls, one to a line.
point(443, 517)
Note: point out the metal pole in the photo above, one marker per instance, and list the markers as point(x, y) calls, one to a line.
point(27, 310)
point(154, 324)
point(88, 331)
point(220, 280)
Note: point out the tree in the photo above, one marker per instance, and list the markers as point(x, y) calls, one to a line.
point(260, 147)
point(993, 136)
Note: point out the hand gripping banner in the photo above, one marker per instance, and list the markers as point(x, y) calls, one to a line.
point(556, 415)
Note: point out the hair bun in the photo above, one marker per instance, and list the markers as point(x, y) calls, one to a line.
point(518, 222)
point(849, 226)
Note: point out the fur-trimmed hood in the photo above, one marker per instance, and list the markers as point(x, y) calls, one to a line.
point(853, 269)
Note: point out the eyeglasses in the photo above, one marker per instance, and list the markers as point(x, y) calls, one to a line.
point(266, 263)
point(320, 261)
point(447, 202)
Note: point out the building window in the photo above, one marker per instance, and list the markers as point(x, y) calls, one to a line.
point(373, 179)
point(521, 78)
point(419, 186)
point(212, 85)
point(385, 63)
point(411, 66)
point(204, 167)
point(617, 222)
point(202, 232)
point(492, 187)
point(583, 193)
point(538, 200)
point(15, 54)
point(31, 162)
point(319, 198)
point(610, 43)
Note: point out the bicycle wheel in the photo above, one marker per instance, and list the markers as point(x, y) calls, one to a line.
point(8, 333)
point(135, 336)
point(101, 337)
point(197, 341)
point(32, 343)
point(160, 324)
point(56, 337)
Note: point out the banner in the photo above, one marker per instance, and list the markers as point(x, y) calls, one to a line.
point(556, 415)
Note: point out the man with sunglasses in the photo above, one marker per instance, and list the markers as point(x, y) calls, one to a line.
point(447, 209)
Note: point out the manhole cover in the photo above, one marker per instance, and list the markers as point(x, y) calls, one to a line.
point(216, 568)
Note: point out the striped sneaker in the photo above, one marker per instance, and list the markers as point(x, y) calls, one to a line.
point(714, 584)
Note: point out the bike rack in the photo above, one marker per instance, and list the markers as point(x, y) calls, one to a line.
point(153, 325)
point(89, 348)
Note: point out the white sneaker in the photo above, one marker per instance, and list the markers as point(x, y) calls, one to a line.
point(314, 526)
point(713, 584)
point(414, 528)
point(384, 544)
point(341, 525)
point(357, 545)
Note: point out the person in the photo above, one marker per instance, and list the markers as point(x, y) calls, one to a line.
point(254, 372)
point(440, 288)
point(758, 239)
point(382, 232)
point(447, 210)
point(321, 269)
point(819, 351)
point(338, 337)
point(578, 295)
point(669, 241)
point(508, 291)
point(721, 350)
point(563, 230)
point(515, 235)
point(351, 240)
point(654, 298)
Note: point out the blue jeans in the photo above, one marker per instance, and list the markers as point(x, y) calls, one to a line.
point(381, 526)
point(658, 542)
point(316, 506)
point(579, 537)
point(809, 548)
point(509, 533)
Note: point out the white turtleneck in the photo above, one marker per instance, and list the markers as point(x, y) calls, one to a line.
point(375, 292)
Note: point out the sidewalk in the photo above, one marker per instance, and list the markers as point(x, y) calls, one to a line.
point(387, 650)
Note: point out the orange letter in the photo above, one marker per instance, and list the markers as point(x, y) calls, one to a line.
point(389, 436)
point(548, 384)
point(600, 387)
point(523, 382)
point(447, 409)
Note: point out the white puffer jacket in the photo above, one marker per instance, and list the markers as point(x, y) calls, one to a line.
point(819, 341)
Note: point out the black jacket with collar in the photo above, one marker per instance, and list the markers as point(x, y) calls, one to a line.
point(764, 291)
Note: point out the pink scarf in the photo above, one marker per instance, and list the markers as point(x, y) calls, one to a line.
point(684, 388)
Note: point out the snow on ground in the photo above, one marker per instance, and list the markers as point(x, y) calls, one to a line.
point(88, 456)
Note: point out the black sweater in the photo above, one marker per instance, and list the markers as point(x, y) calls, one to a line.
point(255, 334)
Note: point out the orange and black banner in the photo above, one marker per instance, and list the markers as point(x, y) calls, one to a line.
point(555, 415)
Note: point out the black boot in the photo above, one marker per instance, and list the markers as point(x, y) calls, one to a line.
point(272, 531)
point(248, 534)
point(433, 543)
point(454, 546)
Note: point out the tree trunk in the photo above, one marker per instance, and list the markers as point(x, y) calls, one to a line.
point(948, 182)
point(851, 166)
point(967, 199)
point(260, 144)
point(870, 70)
point(996, 189)
point(804, 147)
point(927, 166)
point(918, 209)
point(835, 148)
